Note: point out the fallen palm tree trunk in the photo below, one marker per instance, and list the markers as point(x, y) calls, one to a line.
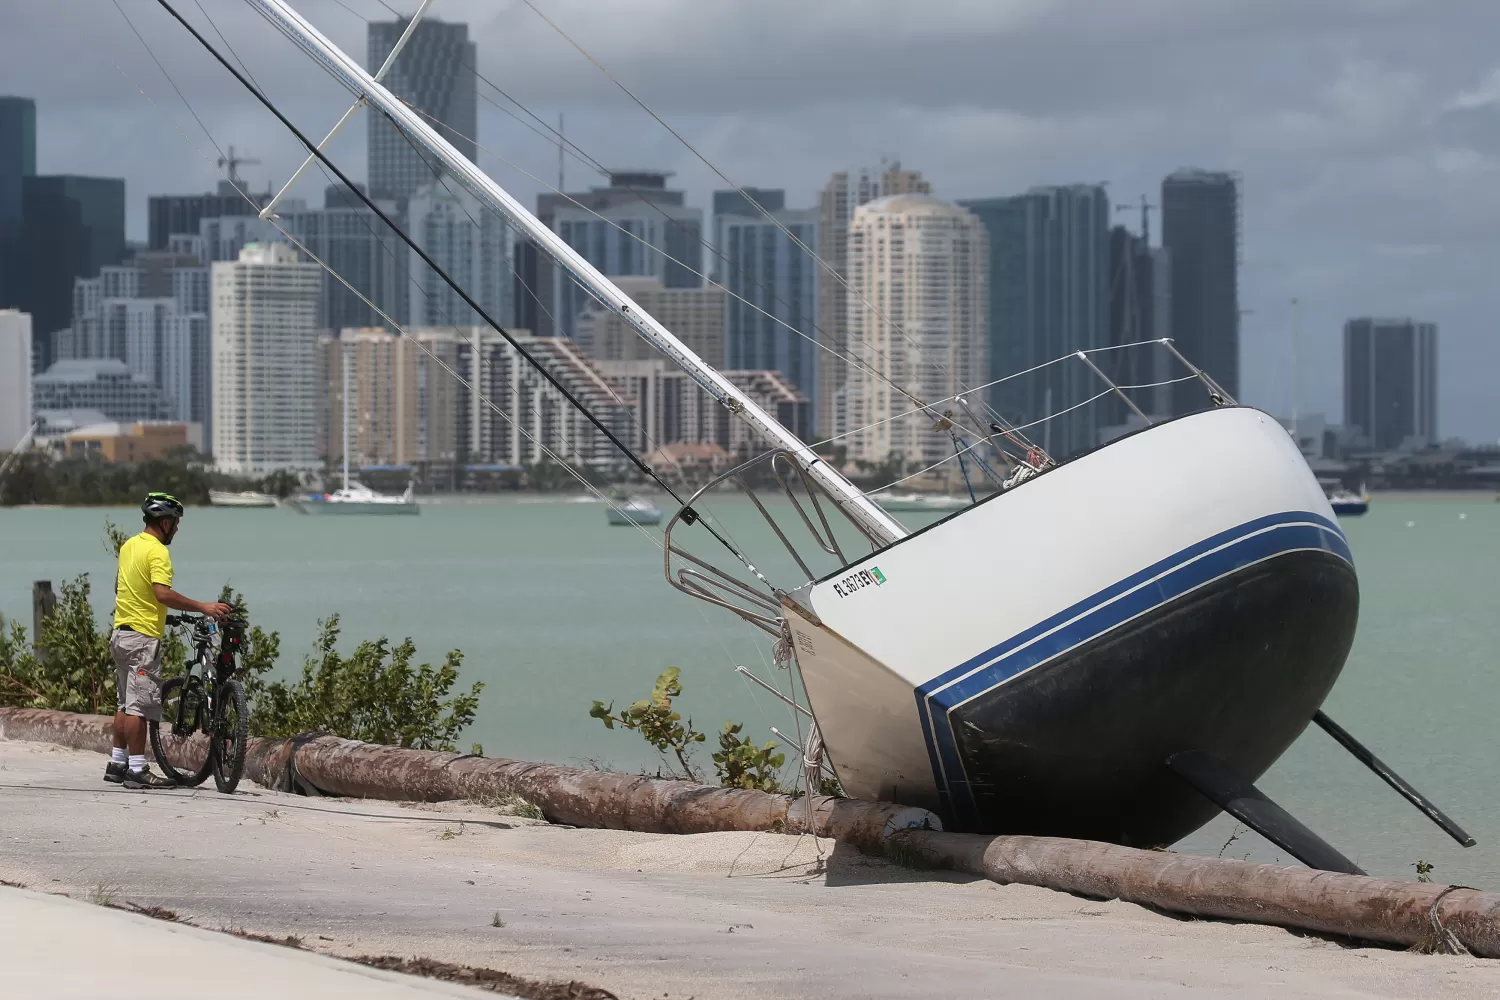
point(329, 765)
point(1443, 918)
point(1404, 913)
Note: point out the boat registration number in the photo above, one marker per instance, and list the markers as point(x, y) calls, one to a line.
point(858, 580)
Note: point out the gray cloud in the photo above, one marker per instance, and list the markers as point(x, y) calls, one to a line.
point(1367, 131)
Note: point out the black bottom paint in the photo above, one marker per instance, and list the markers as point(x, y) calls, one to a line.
point(1077, 747)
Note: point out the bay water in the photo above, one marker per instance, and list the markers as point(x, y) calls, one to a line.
point(554, 608)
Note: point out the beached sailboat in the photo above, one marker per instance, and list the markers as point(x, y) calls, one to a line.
point(1038, 661)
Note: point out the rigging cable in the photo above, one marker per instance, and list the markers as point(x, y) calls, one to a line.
point(689, 515)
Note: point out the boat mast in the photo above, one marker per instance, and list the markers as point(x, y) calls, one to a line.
point(353, 76)
point(344, 354)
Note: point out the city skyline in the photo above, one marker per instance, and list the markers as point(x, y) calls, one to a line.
point(1360, 176)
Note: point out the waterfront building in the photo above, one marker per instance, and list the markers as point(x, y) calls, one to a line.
point(15, 377)
point(633, 227)
point(1048, 296)
point(696, 316)
point(670, 409)
point(521, 415)
point(434, 73)
point(845, 191)
point(105, 385)
point(1200, 216)
point(917, 319)
point(151, 313)
point(17, 162)
point(1390, 383)
point(767, 267)
point(403, 403)
point(71, 227)
point(266, 394)
point(142, 441)
point(471, 243)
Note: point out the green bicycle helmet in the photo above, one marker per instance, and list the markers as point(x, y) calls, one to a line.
point(158, 505)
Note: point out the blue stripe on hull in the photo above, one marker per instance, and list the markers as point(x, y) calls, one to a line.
point(1165, 581)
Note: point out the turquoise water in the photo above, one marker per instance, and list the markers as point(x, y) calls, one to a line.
point(553, 608)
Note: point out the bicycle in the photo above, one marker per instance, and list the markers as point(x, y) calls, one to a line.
point(214, 706)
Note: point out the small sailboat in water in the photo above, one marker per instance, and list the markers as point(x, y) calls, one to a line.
point(1036, 662)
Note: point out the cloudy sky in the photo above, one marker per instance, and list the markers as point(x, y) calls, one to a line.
point(1367, 131)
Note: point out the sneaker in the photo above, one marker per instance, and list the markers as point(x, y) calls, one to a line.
point(114, 773)
point(144, 778)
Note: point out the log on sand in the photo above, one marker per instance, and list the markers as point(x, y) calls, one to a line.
point(1403, 913)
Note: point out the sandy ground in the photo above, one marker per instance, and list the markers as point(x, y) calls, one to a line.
point(719, 915)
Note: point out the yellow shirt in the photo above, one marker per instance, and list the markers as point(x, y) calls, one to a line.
point(144, 561)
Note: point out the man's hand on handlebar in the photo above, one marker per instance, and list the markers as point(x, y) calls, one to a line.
point(217, 610)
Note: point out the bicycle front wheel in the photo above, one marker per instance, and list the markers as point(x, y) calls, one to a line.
point(184, 713)
point(230, 735)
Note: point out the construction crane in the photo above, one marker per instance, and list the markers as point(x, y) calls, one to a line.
point(233, 162)
point(1146, 209)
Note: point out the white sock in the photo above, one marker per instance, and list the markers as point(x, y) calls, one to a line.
point(137, 761)
point(117, 755)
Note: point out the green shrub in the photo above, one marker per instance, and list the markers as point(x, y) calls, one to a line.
point(657, 721)
point(374, 694)
point(742, 764)
point(70, 668)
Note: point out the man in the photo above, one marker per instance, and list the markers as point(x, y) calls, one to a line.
point(143, 593)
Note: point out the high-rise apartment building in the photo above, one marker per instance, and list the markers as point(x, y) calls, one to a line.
point(696, 316)
point(841, 196)
point(522, 417)
point(435, 73)
point(1048, 297)
point(1390, 382)
point(15, 377)
point(266, 393)
point(403, 404)
point(1200, 217)
point(151, 313)
point(1140, 310)
point(17, 161)
point(634, 227)
point(918, 308)
point(71, 227)
point(767, 266)
point(102, 385)
point(469, 242)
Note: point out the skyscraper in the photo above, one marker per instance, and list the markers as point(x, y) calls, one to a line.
point(15, 377)
point(171, 215)
point(1048, 297)
point(435, 73)
point(1140, 309)
point(773, 283)
point(265, 361)
point(1200, 215)
point(17, 161)
point(1390, 382)
point(694, 315)
point(469, 242)
point(917, 321)
point(845, 191)
point(635, 227)
point(71, 227)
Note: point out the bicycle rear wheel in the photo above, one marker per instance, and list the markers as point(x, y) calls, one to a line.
point(230, 735)
point(184, 712)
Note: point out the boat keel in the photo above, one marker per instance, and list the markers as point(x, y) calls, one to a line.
point(1227, 789)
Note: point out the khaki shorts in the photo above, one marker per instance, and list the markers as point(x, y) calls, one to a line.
point(137, 673)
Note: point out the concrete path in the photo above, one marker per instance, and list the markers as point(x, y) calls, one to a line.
point(58, 949)
point(713, 916)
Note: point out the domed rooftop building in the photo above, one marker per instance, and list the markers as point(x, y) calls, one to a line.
point(918, 321)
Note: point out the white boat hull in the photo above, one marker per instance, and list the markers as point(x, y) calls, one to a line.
point(1029, 663)
point(356, 507)
point(644, 514)
point(219, 498)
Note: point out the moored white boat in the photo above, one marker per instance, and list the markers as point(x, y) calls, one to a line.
point(912, 502)
point(357, 498)
point(634, 510)
point(1346, 503)
point(244, 498)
